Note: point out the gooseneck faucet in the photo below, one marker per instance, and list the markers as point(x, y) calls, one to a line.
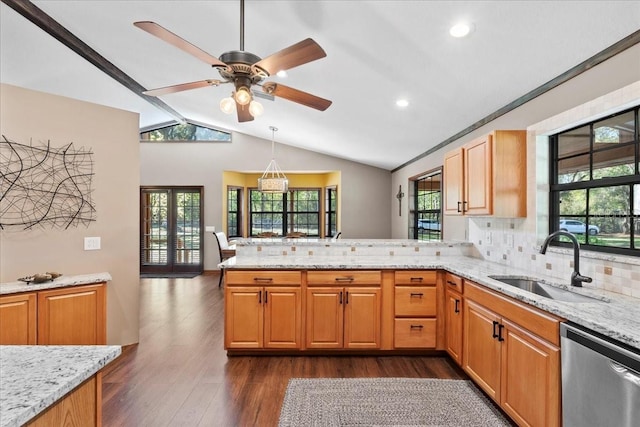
point(576, 277)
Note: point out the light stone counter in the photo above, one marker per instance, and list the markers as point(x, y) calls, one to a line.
point(60, 282)
point(614, 315)
point(32, 378)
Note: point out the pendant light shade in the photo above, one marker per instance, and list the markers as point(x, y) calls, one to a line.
point(273, 180)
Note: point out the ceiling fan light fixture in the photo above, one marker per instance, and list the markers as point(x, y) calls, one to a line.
point(255, 108)
point(227, 105)
point(243, 96)
point(281, 74)
point(460, 29)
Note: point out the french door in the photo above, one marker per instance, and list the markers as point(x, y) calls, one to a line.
point(171, 229)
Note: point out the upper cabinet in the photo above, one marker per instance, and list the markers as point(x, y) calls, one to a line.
point(487, 176)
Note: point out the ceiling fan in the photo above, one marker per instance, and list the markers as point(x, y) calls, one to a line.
point(244, 69)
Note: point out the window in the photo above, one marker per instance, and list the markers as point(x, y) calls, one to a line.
point(427, 218)
point(183, 132)
point(234, 211)
point(298, 210)
point(595, 184)
point(331, 212)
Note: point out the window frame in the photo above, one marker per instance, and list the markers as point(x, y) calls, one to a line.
point(418, 214)
point(331, 211)
point(591, 184)
point(287, 211)
point(238, 212)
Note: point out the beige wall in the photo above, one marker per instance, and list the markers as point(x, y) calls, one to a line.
point(112, 135)
point(363, 191)
point(615, 73)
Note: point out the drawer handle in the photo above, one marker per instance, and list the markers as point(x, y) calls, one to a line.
point(416, 294)
point(416, 279)
point(344, 279)
point(452, 283)
point(263, 279)
point(416, 326)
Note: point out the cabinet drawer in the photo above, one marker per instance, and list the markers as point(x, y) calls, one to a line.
point(263, 278)
point(416, 277)
point(344, 277)
point(453, 282)
point(415, 333)
point(415, 301)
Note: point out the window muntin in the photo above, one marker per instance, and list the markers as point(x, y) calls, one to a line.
point(427, 224)
point(594, 183)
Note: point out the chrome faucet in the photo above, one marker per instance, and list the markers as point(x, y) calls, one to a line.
point(576, 277)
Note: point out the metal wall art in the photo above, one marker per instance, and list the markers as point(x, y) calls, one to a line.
point(46, 187)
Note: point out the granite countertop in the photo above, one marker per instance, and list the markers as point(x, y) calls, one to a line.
point(611, 314)
point(60, 282)
point(34, 377)
point(315, 241)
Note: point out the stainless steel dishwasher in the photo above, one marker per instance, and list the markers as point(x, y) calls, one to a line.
point(600, 380)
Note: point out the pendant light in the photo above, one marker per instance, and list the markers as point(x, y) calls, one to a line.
point(273, 179)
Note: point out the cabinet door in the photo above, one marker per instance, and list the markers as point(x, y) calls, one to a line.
point(478, 177)
point(72, 316)
point(18, 319)
point(530, 391)
point(244, 316)
point(453, 325)
point(362, 318)
point(453, 182)
point(324, 317)
point(481, 358)
point(282, 314)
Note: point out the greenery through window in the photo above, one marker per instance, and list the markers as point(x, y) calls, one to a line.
point(184, 132)
point(298, 210)
point(331, 211)
point(234, 211)
point(595, 183)
point(427, 218)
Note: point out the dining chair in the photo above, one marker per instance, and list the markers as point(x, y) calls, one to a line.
point(225, 251)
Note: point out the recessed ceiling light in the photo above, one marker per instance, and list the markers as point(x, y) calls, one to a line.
point(460, 30)
point(281, 73)
point(402, 103)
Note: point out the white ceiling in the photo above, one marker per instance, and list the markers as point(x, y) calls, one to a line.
point(377, 51)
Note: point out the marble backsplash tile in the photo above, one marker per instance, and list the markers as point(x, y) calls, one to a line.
point(504, 241)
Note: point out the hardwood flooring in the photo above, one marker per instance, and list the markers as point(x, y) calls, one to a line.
point(180, 375)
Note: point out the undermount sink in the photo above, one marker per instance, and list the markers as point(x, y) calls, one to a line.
point(545, 290)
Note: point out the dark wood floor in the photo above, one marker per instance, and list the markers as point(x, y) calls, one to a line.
point(180, 375)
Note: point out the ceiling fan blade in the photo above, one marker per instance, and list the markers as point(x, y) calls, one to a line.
point(295, 95)
point(292, 56)
point(177, 41)
point(243, 113)
point(179, 88)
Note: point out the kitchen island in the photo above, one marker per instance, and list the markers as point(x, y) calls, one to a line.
point(43, 384)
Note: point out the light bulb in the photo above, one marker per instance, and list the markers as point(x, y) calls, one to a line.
point(255, 108)
point(460, 30)
point(227, 105)
point(242, 96)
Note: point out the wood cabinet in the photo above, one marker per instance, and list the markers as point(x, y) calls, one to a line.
point(266, 316)
point(453, 317)
point(343, 316)
point(512, 352)
point(415, 323)
point(487, 176)
point(73, 315)
point(18, 319)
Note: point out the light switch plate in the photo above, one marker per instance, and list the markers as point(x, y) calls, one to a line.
point(91, 243)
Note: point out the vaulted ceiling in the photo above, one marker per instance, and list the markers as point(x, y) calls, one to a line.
point(377, 52)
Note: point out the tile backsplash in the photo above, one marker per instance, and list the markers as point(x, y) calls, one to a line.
point(506, 242)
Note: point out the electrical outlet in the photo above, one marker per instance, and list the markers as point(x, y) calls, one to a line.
point(488, 238)
point(91, 243)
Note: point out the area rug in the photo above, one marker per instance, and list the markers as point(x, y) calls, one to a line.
point(387, 402)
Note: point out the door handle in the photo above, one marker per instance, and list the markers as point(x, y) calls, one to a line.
point(456, 309)
point(500, 328)
point(459, 204)
point(266, 293)
point(346, 299)
point(259, 297)
point(625, 373)
point(495, 334)
point(340, 302)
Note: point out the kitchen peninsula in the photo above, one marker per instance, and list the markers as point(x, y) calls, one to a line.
point(324, 296)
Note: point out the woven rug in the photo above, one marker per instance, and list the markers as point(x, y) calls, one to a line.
point(387, 402)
